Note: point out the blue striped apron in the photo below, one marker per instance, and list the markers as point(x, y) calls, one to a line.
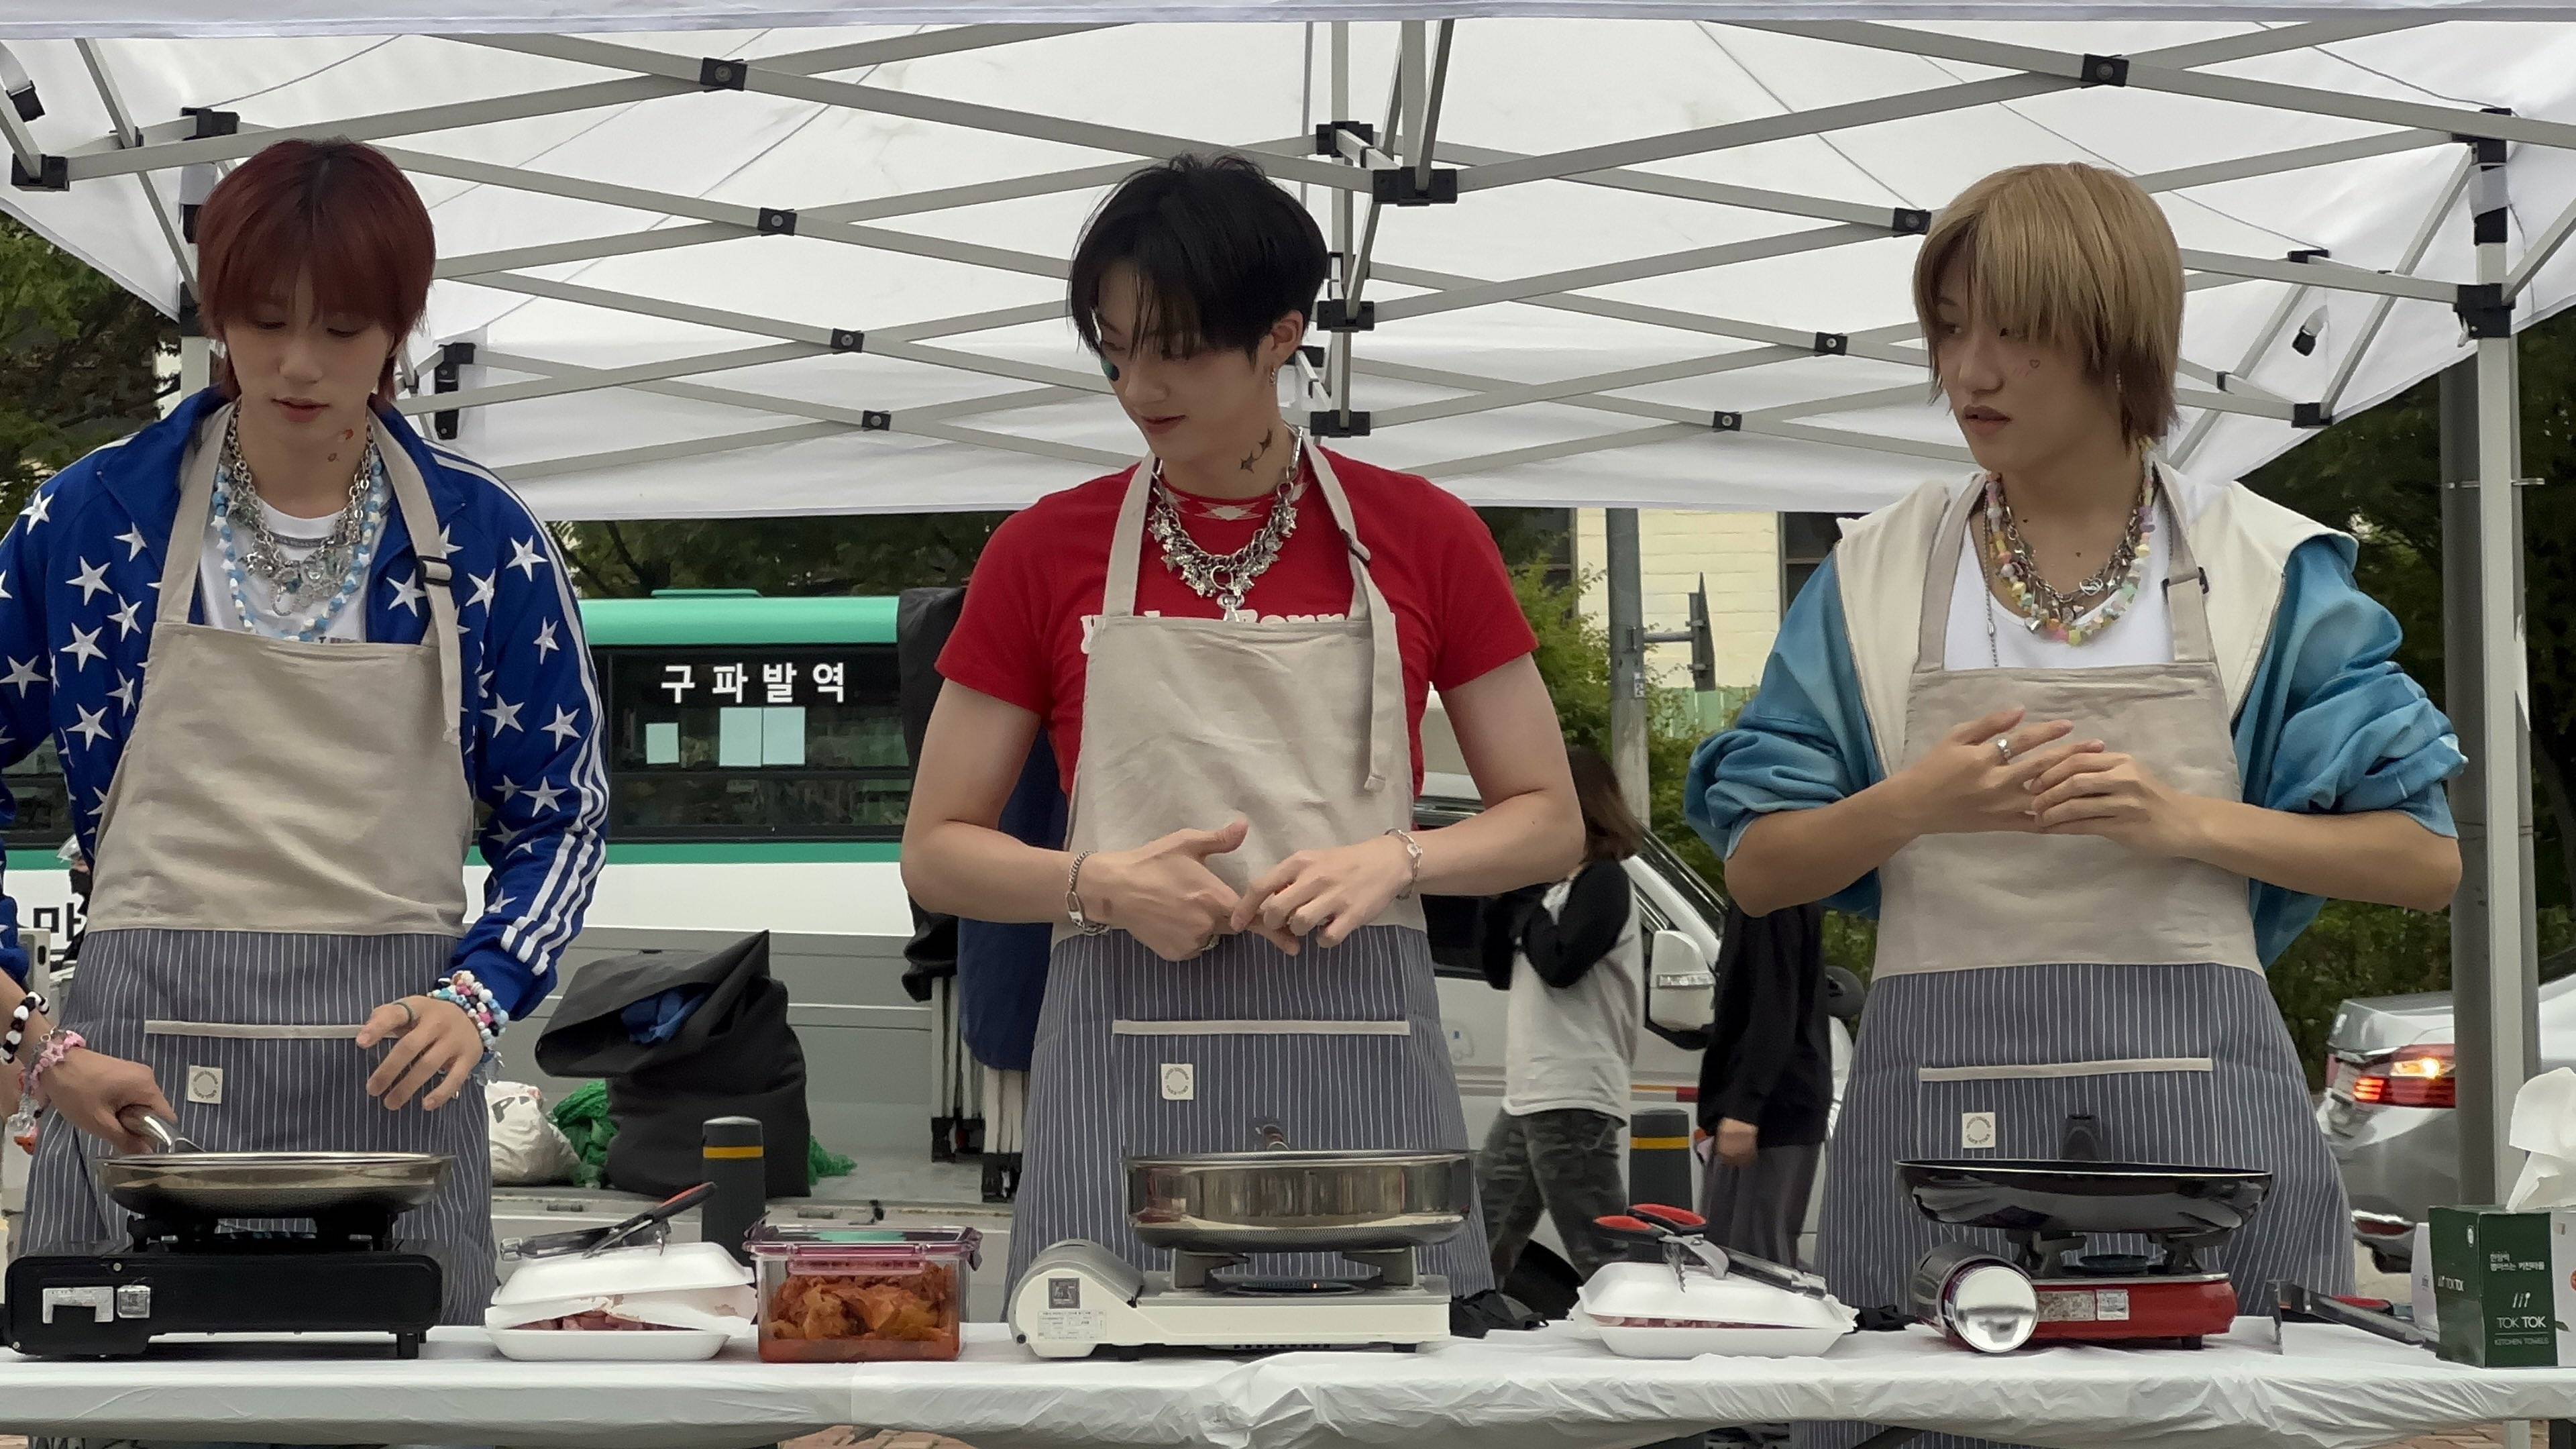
point(1300, 728)
point(2022, 980)
point(280, 854)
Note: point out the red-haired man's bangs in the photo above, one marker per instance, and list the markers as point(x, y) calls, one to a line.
point(336, 212)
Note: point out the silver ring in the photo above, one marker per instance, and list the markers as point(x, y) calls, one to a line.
point(2003, 747)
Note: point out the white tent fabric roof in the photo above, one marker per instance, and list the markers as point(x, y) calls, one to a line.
point(598, 209)
point(48, 19)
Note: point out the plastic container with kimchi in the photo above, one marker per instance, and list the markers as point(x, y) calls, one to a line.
point(836, 1295)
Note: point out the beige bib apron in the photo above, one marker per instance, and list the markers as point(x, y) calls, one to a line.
point(2036, 991)
point(1300, 728)
point(281, 852)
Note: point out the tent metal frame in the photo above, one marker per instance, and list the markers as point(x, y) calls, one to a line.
point(1403, 162)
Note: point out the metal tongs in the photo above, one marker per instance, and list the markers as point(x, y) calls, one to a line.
point(653, 1226)
point(1680, 1235)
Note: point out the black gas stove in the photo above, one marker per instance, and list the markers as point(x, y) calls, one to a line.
point(202, 1275)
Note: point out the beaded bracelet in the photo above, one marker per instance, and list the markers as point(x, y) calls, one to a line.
point(16, 1036)
point(62, 1042)
point(476, 1000)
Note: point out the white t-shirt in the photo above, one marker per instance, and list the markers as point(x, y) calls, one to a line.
point(1570, 1046)
point(296, 537)
point(2144, 635)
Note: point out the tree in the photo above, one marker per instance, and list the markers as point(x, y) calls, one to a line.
point(77, 361)
point(2379, 473)
point(871, 554)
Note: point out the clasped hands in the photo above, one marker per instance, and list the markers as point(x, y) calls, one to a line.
point(1166, 896)
point(2000, 774)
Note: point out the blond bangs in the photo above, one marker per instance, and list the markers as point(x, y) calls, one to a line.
point(2070, 256)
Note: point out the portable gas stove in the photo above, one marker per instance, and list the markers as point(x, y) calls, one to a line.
point(1077, 1296)
point(2164, 1297)
point(186, 1275)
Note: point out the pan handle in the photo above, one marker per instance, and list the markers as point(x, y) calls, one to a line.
point(146, 1123)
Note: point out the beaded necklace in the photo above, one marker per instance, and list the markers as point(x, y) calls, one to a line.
point(310, 628)
point(2061, 616)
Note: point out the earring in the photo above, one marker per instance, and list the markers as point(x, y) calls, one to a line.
point(1109, 369)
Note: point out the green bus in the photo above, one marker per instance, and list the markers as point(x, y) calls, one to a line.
point(755, 754)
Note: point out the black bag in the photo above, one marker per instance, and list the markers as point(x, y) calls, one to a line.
point(924, 618)
point(735, 1056)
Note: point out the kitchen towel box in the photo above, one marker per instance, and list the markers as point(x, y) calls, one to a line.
point(2504, 1283)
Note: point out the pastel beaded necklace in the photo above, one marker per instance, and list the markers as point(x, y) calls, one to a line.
point(2065, 616)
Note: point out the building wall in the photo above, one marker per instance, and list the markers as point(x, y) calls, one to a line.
point(1739, 553)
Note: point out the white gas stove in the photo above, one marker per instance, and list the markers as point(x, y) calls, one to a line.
point(1077, 1296)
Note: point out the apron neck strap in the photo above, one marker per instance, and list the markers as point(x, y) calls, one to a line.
point(1388, 746)
point(1127, 544)
point(2185, 584)
point(1940, 583)
point(437, 577)
point(196, 501)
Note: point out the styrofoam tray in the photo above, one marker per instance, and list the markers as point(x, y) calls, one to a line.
point(1768, 1341)
point(569, 1345)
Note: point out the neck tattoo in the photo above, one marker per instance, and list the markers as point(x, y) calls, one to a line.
point(1259, 451)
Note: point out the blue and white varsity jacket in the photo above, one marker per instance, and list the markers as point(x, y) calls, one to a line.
point(78, 571)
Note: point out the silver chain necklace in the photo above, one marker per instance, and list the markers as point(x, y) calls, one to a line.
point(1226, 578)
point(294, 583)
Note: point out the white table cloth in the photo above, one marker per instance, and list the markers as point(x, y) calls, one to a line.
point(2333, 1389)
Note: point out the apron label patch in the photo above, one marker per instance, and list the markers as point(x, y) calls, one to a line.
point(206, 1086)
point(1180, 1082)
point(1977, 1130)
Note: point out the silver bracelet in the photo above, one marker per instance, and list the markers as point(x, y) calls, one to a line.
point(1083, 925)
point(1413, 854)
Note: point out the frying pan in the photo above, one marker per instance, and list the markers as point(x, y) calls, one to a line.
point(179, 1181)
point(1283, 1200)
point(2055, 1198)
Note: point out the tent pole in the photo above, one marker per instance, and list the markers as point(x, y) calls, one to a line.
point(2506, 1028)
point(196, 365)
point(1628, 759)
point(2463, 694)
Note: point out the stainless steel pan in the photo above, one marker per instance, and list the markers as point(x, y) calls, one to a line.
point(180, 1181)
point(1283, 1200)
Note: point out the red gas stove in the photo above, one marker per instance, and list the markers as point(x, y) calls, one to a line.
point(2045, 1287)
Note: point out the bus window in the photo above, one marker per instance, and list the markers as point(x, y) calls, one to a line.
point(44, 819)
point(755, 743)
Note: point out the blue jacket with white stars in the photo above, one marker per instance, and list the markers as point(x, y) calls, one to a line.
point(78, 574)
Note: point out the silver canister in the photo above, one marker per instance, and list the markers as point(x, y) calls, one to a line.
point(1978, 1300)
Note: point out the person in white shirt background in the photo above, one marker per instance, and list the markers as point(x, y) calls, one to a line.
point(1572, 957)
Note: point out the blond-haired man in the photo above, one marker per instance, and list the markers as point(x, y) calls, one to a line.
point(2094, 739)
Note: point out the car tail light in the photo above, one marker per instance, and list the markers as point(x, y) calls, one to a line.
point(2423, 1076)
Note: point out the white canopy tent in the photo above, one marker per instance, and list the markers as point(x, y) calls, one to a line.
point(1712, 314)
point(709, 258)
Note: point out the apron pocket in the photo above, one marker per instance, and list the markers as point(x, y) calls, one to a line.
point(269, 1088)
point(2139, 1109)
point(1207, 1086)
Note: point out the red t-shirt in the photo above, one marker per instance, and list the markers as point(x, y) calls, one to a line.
point(1039, 584)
